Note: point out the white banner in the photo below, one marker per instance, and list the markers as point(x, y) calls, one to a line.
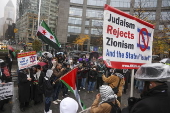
point(27, 59)
point(6, 90)
point(127, 40)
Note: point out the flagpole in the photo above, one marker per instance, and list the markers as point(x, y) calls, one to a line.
point(39, 12)
point(39, 16)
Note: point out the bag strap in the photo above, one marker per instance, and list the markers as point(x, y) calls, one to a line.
point(119, 83)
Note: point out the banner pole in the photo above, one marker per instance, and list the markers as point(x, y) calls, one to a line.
point(132, 83)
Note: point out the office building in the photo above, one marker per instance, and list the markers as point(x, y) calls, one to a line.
point(86, 17)
point(27, 17)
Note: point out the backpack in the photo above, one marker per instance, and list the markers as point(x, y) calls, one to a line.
point(48, 87)
point(115, 108)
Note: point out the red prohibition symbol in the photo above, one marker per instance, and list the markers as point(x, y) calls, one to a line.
point(145, 41)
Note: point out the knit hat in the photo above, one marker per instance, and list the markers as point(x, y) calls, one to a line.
point(107, 93)
point(49, 73)
point(68, 105)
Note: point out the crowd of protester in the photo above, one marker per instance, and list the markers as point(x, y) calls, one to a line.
point(44, 80)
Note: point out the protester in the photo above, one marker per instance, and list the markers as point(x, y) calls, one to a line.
point(92, 79)
point(8, 59)
point(2, 102)
point(115, 81)
point(54, 62)
point(101, 71)
point(155, 97)
point(5, 72)
point(109, 104)
point(126, 74)
point(48, 90)
point(4, 78)
point(68, 105)
point(38, 85)
point(24, 88)
point(84, 75)
point(65, 89)
point(79, 77)
point(57, 73)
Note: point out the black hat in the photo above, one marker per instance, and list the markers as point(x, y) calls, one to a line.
point(3, 64)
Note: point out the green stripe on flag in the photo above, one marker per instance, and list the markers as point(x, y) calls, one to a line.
point(83, 105)
point(68, 86)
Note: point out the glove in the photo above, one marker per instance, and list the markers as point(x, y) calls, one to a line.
point(132, 101)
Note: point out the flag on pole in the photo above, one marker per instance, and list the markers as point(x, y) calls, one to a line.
point(10, 48)
point(69, 80)
point(47, 36)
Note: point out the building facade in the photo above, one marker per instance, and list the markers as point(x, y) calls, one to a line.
point(1, 27)
point(9, 18)
point(86, 16)
point(27, 17)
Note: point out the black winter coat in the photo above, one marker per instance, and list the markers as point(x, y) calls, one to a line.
point(84, 73)
point(48, 87)
point(156, 100)
point(92, 76)
point(24, 87)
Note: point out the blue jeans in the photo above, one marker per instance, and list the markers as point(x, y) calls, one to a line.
point(47, 103)
point(91, 86)
point(57, 90)
point(83, 82)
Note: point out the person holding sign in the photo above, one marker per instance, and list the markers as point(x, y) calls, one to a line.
point(4, 78)
point(155, 97)
point(1, 83)
point(24, 88)
point(2, 102)
point(116, 82)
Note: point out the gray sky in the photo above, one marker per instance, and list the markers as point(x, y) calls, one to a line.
point(3, 4)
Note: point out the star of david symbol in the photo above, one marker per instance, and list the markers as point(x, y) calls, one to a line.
point(32, 59)
point(51, 37)
point(44, 32)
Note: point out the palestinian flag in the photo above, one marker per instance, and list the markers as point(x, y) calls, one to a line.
point(47, 36)
point(69, 80)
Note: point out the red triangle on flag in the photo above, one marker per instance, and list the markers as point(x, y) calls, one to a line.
point(70, 78)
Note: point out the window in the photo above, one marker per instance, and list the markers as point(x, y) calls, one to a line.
point(161, 27)
point(94, 13)
point(74, 29)
point(97, 23)
point(96, 31)
point(165, 15)
point(96, 2)
point(145, 3)
point(149, 15)
point(75, 11)
point(77, 1)
point(73, 20)
point(87, 22)
point(120, 3)
point(86, 31)
point(165, 3)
